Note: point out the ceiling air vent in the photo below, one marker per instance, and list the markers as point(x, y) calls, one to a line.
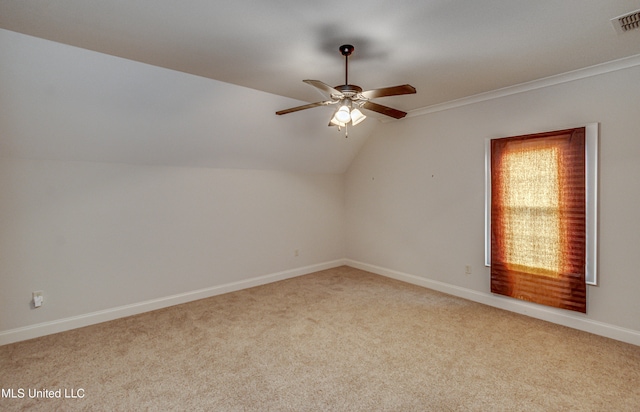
point(627, 22)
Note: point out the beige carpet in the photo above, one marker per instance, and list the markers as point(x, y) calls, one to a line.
point(336, 340)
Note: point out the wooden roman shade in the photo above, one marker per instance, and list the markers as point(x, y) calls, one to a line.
point(538, 218)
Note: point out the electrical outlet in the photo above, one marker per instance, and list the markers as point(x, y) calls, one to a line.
point(38, 298)
point(467, 270)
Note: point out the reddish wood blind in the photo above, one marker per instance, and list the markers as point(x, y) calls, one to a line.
point(538, 218)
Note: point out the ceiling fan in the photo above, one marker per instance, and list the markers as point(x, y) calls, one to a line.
point(350, 98)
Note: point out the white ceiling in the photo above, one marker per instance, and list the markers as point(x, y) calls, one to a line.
point(447, 49)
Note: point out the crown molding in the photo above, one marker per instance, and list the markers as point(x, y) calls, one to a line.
point(583, 73)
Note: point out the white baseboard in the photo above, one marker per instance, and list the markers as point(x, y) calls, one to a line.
point(558, 316)
point(61, 325)
point(576, 321)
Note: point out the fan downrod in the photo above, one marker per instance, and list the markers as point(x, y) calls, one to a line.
point(346, 50)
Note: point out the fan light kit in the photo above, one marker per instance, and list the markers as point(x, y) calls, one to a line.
point(350, 98)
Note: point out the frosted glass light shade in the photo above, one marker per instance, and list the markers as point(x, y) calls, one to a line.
point(342, 115)
point(357, 117)
point(337, 122)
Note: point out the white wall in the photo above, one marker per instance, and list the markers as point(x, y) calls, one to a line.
point(126, 187)
point(98, 237)
point(415, 193)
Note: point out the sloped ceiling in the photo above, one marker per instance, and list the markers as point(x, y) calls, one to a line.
point(196, 83)
point(59, 102)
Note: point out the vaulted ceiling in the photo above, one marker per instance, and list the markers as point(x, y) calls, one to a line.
point(446, 49)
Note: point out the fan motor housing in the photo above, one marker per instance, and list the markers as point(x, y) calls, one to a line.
point(349, 89)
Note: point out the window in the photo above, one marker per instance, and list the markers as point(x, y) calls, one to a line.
point(540, 223)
